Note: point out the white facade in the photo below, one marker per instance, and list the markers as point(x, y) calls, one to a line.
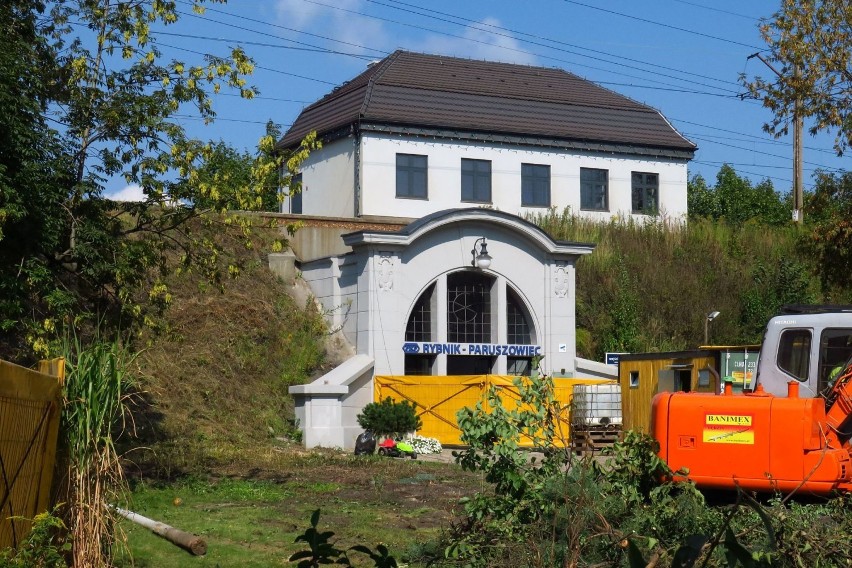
point(356, 176)
point(373, 292)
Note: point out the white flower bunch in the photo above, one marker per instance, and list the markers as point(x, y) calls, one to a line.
point(424, 445)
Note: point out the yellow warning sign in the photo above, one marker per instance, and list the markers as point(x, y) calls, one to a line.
point(728, 429)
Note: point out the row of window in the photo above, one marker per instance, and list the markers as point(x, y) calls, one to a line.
point(412, 178)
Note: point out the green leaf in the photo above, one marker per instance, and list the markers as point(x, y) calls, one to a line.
point(736, 552)
point(689, 552)
point(634, 555)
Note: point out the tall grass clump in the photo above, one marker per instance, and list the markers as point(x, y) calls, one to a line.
point(93, 418)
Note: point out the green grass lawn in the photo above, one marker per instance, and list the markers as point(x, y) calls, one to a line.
point(255, 521)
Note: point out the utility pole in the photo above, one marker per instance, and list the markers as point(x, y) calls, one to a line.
point(798, 197)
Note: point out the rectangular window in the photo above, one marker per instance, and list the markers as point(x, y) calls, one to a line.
point(794, 353)
point(594, 189)
point(835, 349)
point(646, 193)
point(535, 185)
point(476, 180)
point(634, 379)
point(411, 179)
point(296, 194)
point(419, 364)
point(518, 366)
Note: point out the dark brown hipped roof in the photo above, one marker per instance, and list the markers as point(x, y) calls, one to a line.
point(434, 92)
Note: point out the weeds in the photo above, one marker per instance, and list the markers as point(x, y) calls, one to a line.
point(321, 551)
point(92, 419)
point(745, 271)
point(564, 512)
point(44, 547)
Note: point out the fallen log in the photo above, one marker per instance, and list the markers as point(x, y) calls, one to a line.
point(191, 543)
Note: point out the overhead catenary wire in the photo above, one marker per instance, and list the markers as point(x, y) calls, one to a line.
point(662, 24)
point(484, 26)
point(516, 50)
point(714, 9)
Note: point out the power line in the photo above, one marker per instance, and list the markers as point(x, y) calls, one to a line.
point(259, 97)
point(672, 88)
point(481, 25)
point(431, 30)
point(267, 23)
point(661, 24)
point(765, 166)
point(684, 121)
point(241, 120)
point(256, 66)
point(697, 5)
point(821, 166)
point(262, 44)
point(748, 172)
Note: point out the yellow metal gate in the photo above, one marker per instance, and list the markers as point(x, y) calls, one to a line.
point(438, 399)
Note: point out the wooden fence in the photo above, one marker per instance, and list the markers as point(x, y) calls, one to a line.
point(29, 425)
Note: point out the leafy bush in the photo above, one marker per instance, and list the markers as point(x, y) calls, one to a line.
point(621, 511)
point(42, 548)
point(390, 418)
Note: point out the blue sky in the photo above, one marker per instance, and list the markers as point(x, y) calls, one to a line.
point(681, 57)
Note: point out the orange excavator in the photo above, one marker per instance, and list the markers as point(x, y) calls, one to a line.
point(758, 440)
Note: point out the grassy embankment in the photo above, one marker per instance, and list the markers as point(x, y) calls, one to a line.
point(215, 431)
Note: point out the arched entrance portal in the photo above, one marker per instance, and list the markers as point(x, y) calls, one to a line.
point(475, 309)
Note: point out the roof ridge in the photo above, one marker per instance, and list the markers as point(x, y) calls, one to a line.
point(384, 66)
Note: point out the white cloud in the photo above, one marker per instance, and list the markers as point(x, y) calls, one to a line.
point(478, 42)
point(128, 193)
point(482, 40)
point(297, 13)
point(345, 26)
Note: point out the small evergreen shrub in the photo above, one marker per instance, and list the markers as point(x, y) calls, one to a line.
point(390, 418)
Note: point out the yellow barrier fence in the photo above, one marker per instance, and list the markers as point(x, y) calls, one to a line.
point(438, 399)
point(29, 425)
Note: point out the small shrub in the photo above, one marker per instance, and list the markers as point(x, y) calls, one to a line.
point(390, 418)
point(322, 551)
point(43, 547)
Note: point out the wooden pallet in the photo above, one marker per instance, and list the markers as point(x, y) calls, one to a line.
point(591, 440)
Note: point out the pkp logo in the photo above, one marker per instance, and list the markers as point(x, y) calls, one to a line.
point(411, 348)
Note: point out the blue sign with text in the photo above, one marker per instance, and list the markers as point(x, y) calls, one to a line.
point(612, 358)
point(490, 349)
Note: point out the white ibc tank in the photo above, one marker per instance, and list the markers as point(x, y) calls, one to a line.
point(597, 405)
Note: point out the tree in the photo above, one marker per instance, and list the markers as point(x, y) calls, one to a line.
point(735, 200)
point(222, 177)
point(812, 42)
point(92, 68)
point(31, 168)
point(830, 238)
point(701, 199)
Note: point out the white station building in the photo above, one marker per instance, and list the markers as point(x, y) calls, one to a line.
point(457, 152)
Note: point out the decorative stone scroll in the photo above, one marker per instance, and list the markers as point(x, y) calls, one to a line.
point(385, 272)
point(560, 280)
